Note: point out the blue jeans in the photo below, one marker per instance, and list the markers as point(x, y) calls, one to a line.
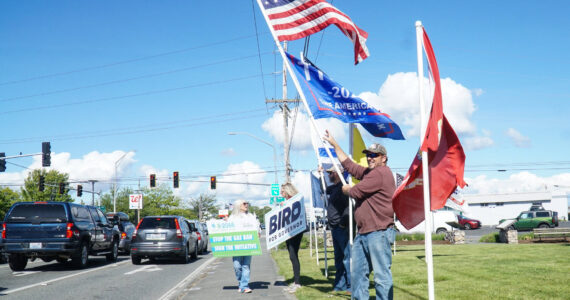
point(241, 267)
point(341, 259)
point(372, 251)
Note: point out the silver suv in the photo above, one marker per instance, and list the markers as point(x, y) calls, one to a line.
point(164, 236)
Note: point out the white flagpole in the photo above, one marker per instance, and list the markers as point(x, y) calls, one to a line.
point(425, 167)
point(297, 86)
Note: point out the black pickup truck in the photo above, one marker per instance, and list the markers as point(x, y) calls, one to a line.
point(57, 231)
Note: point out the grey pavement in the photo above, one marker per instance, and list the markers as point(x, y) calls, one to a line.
point(218, 280)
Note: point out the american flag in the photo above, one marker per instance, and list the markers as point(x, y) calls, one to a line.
point(296, 19)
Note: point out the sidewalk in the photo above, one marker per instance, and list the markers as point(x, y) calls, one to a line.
point(218, 280)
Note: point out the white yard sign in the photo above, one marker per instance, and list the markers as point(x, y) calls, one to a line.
point(286, 221)
point(136, 201)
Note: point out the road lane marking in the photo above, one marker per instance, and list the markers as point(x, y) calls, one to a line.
point(43, 283)
point(149, 268)
point(24, 273)
point(189, 278)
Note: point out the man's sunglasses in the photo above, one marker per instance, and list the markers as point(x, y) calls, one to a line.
point(372, 155)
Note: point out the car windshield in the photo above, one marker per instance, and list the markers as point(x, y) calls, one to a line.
point(37, 213)
point(158, 223)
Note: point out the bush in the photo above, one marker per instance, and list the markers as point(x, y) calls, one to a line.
point(418, 237)
point(490, 238)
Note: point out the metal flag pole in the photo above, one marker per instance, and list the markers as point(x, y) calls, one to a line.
point(297, 85)
point(425, 166)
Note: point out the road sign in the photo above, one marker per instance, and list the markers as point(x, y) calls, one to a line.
point(103, 209)
point(135, 201)
point(274, 200)
point(275, 190)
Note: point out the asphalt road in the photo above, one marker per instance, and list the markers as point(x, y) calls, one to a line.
point(100, 280)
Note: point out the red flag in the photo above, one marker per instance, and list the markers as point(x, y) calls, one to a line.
point(296, 19)
point(446, 161)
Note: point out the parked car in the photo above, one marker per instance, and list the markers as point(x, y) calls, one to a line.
point(57, 231)
point(203, 236)
point(468, 223)
point(121, 220)
point(164, 236)
point(3, 256)
point(528, 220)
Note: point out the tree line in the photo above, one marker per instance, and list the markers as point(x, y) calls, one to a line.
point(156, 201)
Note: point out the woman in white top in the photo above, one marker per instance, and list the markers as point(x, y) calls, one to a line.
point(241, 214)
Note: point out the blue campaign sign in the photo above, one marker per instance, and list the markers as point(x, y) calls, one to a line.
point(328, 99)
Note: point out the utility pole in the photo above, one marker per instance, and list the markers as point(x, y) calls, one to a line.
point(285, 110)
point(92, 191)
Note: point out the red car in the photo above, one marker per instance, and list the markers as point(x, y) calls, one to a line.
point(468, 223)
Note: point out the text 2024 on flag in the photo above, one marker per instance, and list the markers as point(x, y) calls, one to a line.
point(328, 99)
point(296, 19)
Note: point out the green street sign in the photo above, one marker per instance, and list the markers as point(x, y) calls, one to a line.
point(275, 190)
point(103, 209)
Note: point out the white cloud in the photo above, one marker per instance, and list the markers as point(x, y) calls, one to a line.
point(516, 183)
point(478, 92)
point(229, 152)
point(477, 142)
point(517, 138)
point(398, 97)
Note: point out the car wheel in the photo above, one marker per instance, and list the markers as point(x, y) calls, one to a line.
point(441, 231)
point(112, 257)
point(136, 260)
point(543, 226)
point(195, 252)
point(467, 226)
point(81, 259)
point(511, 227)
point(17, 262)
point(186, 257)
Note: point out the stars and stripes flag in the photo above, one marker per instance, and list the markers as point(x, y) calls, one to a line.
point(296, 19)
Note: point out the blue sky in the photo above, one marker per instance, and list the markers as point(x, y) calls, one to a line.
point(170, 79)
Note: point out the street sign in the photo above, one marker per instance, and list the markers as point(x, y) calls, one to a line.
point(275, 190)
point(103, 209)
point(135, 201)
point(274, 200)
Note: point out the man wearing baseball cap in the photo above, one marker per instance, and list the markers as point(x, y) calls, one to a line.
point(374, 216)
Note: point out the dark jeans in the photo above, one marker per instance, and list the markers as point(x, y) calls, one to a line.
point(293, 245)
point(341, 259)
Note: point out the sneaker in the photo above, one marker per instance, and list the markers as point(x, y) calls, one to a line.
point(240, 291)
point(246, 290)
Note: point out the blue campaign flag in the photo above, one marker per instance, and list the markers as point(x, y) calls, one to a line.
point(328, 99)
point(317, 191)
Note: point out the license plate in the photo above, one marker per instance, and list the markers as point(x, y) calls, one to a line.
point(35, 245)
point(155, 236)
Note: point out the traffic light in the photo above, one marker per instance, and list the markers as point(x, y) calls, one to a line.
point(46, 154)
point(2, 162)
point(79, 190)
point(152, 180)
point(213, 182)
point(175, 180)
point(61, 188)
point(42, 183)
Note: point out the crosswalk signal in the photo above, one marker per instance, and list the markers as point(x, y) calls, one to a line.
point(46, 154)
point(2, 162)
point(213, 182)
point(42, 183)
point(79, 190)
point(152, 180)
point(175, 180)
point(61, 188)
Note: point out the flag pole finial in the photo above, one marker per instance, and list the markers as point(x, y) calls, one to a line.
point(418, 23)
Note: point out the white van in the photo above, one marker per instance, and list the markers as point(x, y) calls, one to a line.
point(439, 222)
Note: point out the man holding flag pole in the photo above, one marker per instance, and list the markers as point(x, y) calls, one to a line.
point(374, 216)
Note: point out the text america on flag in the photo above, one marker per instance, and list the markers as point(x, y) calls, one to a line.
point(328, 99)
point(296, 19)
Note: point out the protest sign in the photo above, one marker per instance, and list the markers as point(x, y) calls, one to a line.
point(228, 238)
point(284, 222)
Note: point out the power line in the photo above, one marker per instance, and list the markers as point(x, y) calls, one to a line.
point(123, 61)
point(147, 93)
point(135, 78)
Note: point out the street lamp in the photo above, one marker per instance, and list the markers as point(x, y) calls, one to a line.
point(115, 184)
point(265, 142)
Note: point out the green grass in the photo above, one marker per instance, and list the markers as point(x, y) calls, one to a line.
point(471, 271)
